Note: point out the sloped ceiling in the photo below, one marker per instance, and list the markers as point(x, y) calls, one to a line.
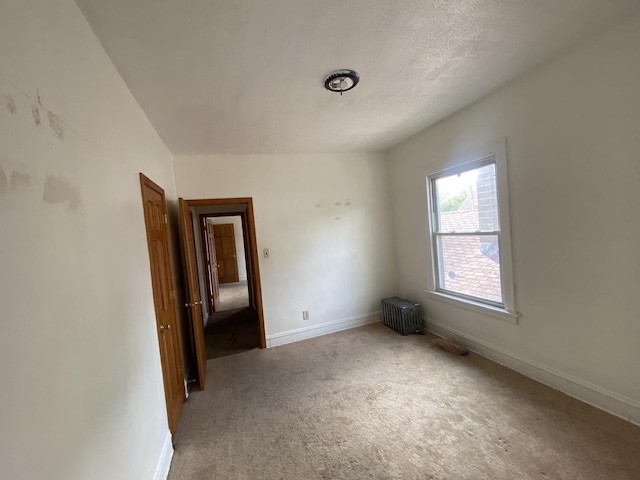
point(245, 76)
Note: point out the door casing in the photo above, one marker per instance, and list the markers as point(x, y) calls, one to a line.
point(193, 294)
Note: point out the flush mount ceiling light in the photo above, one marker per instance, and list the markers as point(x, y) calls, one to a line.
point(341, 81)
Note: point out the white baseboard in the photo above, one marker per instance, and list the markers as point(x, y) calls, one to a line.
point(322, 329)
point(242, 278)
point(164, 462)
point(611, 402)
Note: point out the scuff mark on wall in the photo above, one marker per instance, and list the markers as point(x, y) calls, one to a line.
point(56, 124)
point(35, 111)
point(58, 190)
point(7, 101)
point(347, 204)
point(19, 179)
point(337, 204)
point(3, 183)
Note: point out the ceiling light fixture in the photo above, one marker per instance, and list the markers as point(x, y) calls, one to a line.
point(341, 81)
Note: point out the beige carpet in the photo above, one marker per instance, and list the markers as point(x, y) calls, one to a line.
point(234, 296)
point(371, 404)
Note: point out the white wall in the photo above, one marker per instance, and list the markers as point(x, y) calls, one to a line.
point(82, 393)
point(239, 237)
point(573, 133)
point(326, 220)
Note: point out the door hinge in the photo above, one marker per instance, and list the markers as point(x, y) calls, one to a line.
point(166, 219)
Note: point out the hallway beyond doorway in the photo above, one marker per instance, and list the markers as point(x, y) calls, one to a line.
point(231, 332)
point(233, 296)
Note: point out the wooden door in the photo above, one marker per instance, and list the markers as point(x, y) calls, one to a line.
point(193, 302)
point(164, 298)
point(213, 267)
point(210, 264)
point(225, 240)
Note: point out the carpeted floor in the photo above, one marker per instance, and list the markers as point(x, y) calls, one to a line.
point(234, 296)
point(231, 332)
point(369, 403)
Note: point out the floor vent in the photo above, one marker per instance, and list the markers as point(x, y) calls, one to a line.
point(402, 315)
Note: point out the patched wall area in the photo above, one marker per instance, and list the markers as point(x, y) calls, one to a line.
point(82, 379)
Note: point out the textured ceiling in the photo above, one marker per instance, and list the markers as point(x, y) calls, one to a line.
point(245, 76)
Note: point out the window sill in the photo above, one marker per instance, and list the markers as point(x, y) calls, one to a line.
point(495, 312)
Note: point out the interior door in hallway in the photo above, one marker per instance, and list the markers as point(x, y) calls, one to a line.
point(212, 266)
point(164, 299)
point(226, 252)
point(193, 302)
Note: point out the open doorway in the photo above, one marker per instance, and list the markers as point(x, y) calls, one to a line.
point(230, 317)
point(223, 247)
point(225, 262)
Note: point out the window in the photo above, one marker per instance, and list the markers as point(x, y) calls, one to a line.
point(469, 227)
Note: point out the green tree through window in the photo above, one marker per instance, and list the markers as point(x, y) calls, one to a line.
point(452, 203)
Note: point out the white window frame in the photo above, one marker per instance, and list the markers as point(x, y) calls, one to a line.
point(494, 153)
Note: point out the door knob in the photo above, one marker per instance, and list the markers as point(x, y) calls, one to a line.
point(168, 327)
point(162, 328)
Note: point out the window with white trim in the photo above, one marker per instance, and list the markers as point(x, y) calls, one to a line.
point(470, 234)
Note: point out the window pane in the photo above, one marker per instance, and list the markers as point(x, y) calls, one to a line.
point(468, 202)
point(471, 265)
